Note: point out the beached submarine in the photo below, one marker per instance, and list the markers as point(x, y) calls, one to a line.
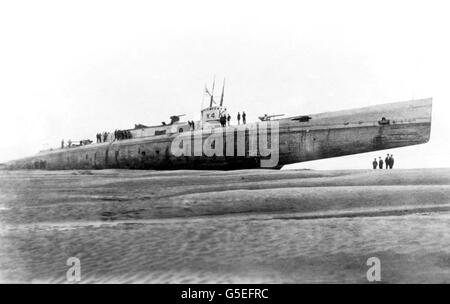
point(299, 138)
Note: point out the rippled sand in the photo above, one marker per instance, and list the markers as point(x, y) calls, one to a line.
point(250, 226)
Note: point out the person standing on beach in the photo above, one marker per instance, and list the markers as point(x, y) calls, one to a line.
point(380, 163)
point(375, 163)
point(386, 161)
point(228, 119)
point(391, 161)
point(244, 118)
point(239, 118)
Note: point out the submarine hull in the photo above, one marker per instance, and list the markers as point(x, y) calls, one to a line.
point(319, 136)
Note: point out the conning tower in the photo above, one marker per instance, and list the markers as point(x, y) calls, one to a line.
point(211, 114)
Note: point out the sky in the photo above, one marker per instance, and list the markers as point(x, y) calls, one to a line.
point(70, 69)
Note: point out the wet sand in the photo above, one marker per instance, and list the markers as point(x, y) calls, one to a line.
point(249, 226)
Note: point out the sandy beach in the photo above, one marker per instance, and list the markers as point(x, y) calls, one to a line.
point(247, 226)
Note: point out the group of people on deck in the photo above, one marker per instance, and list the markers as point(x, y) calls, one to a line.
point(244, 117)
point(102, 137)
point(388, 162)
point(118, 135)
point(226, 119)
point(122, 134)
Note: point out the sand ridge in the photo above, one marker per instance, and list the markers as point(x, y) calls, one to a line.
point(246, 226)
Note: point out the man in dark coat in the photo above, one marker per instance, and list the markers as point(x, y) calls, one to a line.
point(380, 163)
point(375, 163)
point(386, 161)
point(391, 161)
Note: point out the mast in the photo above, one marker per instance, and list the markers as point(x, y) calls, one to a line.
point(223, 90)
point(212, 92)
